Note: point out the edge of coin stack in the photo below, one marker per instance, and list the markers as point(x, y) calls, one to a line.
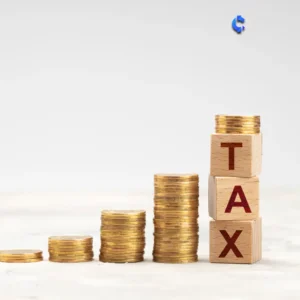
point(70, 249)
point(122, 236)
point(237, 124)
point(21, 256)
point(176, 203)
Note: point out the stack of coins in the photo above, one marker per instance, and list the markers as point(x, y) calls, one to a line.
point(122, 236)
point(176, 203)
point(237, 124)
point(70, 248)
point(21, 256)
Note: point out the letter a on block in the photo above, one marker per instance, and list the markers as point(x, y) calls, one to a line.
point(243, 203)
point(231, 147)
point(231, 243)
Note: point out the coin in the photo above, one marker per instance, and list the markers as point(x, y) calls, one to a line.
point(69, 239)
point(26, 260)
point(21, 255)
point(122, 236)
point(73, 260)
point(176, 218)
point(177, 260)
point(70, 248)
point(237, 124)
point(175, 177)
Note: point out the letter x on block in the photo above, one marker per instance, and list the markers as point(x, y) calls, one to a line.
point(231, 243)
point(235, 242)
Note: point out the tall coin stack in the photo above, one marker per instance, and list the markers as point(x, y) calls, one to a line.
point(70, 248)
point(236, 154)
point(176, 203)
point(21, 256)
point(122, 236)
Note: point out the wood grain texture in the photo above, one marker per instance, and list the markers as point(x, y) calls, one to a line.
point(220, 191)
point(247, 159)
point(248, 242)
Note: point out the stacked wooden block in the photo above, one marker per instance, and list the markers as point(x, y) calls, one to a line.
point(236, 152)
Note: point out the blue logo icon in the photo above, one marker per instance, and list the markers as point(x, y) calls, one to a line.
point(235, 27)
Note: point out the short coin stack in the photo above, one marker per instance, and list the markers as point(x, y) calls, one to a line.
point(176, 218)
point(70, 248)
point(21, 256)
point(122, 236)
point(237, 124)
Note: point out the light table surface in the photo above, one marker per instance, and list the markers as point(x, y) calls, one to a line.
point(26, 221)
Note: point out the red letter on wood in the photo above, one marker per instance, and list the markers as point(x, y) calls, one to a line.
point(244, 203)
point(231, 147)
point(230, 243)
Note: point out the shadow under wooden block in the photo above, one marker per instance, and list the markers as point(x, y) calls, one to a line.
point(233, 198)
point(237, 242)
point(237, 155)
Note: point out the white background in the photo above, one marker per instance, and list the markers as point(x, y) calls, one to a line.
point(100, 95)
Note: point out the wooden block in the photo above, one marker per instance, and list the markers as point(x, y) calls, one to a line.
point(235, 241)
point(233, 198)
point(237, 155)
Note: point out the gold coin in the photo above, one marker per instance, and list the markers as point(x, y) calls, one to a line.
point(237, 124)
point(70, 240)
point(177, 239)
point(122, 241)
point(182, 195)
point(178, 222)
point(176, 250)
point(183, 233)
point(21, 255)
point(229, 117)
point(123, 213)
point(70, 246)
point(127, 226)
point(176, 260)
point(55, 259)
point(176, 213)
point(73, 253)
point(118, 235)
point(26, 260)
point(177, 198)
point(123, 220)
point(123, 246)
point(115, 251)
point(161, 209)
point(174, 190)
point(235, 131)
point(176, 177)
point(20, 252)
point(176, 187)
point(121, 256)
point(121, 260)
point(176, 207)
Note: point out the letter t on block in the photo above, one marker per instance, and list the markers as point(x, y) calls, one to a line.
point(235, 241)
point(236, 155)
